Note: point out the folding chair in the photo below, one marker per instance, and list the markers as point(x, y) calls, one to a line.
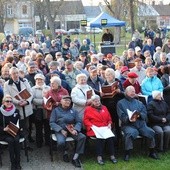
point(52, 139)
point(21, 140)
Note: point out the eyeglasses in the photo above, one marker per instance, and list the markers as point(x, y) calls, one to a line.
point(8, 101)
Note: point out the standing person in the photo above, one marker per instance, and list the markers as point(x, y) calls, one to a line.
point(61, 117)
point(107, 36)
point(79, 94)
point(41, 121)
point(13, 87)
point(136, 126)
point(70, 73)
point(56, 92)
point(111, 102)
point(9, 113)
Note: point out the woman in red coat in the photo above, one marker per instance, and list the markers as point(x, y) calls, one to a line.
point(98, 115)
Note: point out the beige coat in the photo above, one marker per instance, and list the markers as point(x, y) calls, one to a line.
point(11, 89)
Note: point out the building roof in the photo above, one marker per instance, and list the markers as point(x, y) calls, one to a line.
point(163, 10)
point(92, 12)
point(146, 10)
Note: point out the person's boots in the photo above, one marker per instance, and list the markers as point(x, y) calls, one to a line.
point(127, 155)
point(152, 154)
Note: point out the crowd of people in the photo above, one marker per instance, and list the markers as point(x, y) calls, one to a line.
point(64, 79)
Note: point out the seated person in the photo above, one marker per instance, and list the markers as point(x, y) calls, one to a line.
point(62, 116)
point(9, 113)
point(131, 81)
point(150, 83)
point(132, 127)
point(98, 115)
point(159, 118)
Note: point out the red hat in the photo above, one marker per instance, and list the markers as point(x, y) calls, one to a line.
point(132, 75)
point(123, 69)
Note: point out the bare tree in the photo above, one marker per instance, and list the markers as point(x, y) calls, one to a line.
point(2, 15)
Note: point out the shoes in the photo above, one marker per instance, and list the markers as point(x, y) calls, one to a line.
point(153, 155)
point(66, 158)
point(100, 162)
point(76, 163)
point(126, 158)
point(114, 160)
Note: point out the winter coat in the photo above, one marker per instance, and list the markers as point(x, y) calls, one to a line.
point(99, 118)
point(11, 89)
point(158, 109)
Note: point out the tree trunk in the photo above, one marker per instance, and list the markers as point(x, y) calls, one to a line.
point(50, 18)
point(131, 12)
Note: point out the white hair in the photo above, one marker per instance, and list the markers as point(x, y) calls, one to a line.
point(12, 69)
point(110, 70)
point(56, 79)
point(80, 75)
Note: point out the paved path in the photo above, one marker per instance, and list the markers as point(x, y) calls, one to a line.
point(39, 159)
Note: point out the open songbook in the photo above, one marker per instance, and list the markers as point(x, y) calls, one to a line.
point(102, 132)
point(133, 115)
point(109, 90)
point(23, 94)
point(13, 129)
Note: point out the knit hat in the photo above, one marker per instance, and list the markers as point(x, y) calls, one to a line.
point(132, 75)
point(155, 93)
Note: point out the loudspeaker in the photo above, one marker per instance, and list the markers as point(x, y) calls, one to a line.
point(108, 49)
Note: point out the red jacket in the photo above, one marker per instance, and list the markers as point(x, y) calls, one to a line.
point(56, 96)
point(136, 85)
point(94, 117)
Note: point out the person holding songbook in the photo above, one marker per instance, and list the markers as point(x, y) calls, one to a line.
point(9, 130)
point(111, 101)
point(41, 121)
point(65, 122)
point(134, 124)
point(81, 94)
point(98, 115)
point(54, 95)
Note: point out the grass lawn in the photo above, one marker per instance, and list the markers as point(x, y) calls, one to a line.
point(119, 48)
point(139, 159)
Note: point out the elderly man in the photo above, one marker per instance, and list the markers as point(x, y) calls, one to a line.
point(70, 73)
point(134, 126)
point(139, 70)
point(61, 119)
point(13, 87)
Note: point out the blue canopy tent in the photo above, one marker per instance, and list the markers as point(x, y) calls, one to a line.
point(110, 22)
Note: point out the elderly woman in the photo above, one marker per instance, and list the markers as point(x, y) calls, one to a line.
point(55, 93)
point(159, 119)
point(150, 83)
point(111, 103)
point(98, 115)
point(81, 94)
point(40, 114)
point(9, 113)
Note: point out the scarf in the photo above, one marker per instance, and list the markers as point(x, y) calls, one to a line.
point(7, 111)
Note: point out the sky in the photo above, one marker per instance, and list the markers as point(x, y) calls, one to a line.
point(96, 2)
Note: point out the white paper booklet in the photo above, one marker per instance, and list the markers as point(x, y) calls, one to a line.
point(102, 132)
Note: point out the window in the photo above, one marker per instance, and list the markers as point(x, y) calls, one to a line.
point(24, 9)
point(9, 9)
